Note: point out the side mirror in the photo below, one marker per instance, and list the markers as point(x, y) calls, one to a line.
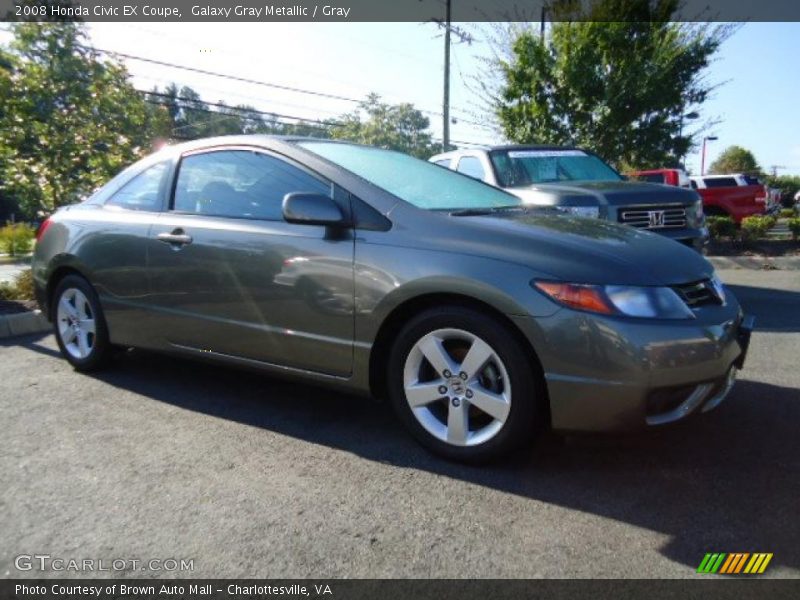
point(304, 208)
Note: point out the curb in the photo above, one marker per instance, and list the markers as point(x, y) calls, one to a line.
point(23, 324)
point(757, 263)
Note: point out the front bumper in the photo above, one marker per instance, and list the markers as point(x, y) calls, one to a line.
point(696, 238)
point(613, 374)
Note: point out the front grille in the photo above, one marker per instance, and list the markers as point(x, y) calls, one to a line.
point(653, 217)
point(696, 294)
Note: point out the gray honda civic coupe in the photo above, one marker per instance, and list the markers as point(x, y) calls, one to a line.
point(481, 320)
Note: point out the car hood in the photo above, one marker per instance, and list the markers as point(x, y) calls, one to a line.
point(579, 250)
point(613, 193)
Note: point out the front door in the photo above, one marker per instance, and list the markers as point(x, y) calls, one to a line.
point(229, 276)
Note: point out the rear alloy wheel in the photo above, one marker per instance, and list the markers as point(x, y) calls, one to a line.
point(79, 324)
point(464, 388)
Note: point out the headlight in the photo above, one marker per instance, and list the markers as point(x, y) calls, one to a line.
point(643, 302)
point(592, 212)
point(719, 289)
point(695, 212)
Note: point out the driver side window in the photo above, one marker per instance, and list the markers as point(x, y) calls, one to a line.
point(239, 184)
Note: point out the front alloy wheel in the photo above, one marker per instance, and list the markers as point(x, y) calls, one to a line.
point(464, 384)
point(457, 387)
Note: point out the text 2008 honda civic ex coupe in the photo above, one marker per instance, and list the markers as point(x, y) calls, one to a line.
point(480, 319)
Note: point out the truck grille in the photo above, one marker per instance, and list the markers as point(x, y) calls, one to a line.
point(653, 217)
point(700, 293)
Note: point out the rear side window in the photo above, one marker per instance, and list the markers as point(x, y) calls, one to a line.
point(470, 165)
point(751, 180)
point(716, 182)
point(142, 192)
point(239, 184)
point(445, 162)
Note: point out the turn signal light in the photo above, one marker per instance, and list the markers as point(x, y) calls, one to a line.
point(582, 297)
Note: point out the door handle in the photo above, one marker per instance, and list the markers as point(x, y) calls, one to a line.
point(176, 237)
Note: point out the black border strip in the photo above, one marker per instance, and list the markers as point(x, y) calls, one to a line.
point(395, 10)
point(709, 587)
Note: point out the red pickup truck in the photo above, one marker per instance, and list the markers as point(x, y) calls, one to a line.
point(736, 196)
point(676, 177)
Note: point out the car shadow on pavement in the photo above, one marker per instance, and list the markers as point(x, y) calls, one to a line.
point(31, 342)
point(727, 481)
point(775, 310)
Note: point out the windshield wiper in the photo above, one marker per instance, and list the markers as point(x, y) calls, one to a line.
point(477, 212)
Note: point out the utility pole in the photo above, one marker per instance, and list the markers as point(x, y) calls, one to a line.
point(774, 169)
point(542, 21)
point(463, 36)
point(446, 106)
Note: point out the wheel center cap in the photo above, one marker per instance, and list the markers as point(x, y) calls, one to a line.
point(457, 386)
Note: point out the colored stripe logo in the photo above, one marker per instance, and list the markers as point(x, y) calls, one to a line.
point(735, 563)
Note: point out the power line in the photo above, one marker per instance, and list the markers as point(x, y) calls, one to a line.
point(273, 85)
point(247, 80)
point(322, 125)
point(221, 75)
point(204, 89)
point(223, 106)
point(318, 123)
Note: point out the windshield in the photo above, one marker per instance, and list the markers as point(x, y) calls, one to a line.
point(518, 168)
point(416, 181)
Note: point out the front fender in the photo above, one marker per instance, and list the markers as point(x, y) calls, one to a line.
point(417, 273)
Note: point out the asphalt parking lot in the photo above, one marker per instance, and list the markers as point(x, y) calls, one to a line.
point(254, 477)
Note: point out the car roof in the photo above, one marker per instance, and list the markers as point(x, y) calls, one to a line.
point(717, 175)
point(533, 147)
point(502, 147)
point(255, 139)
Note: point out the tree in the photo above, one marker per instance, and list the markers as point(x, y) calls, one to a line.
point(618, 82)
point(397, 127)
point(191, 117)
point(735, 159)
point(68, 120)
point(8, 206)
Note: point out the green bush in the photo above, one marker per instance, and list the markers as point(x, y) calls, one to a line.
point(787, 213)
point(794, 227)
point(756, 227)
point(16, 238)
point(720, 227)
point(21, 288)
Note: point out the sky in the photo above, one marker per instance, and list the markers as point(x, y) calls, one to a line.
point(756, 102)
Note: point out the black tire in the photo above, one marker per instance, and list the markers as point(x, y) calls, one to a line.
point(101, 349)
point(526, 414)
